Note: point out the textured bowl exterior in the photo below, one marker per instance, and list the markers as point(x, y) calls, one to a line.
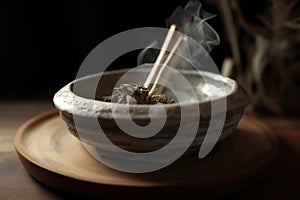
point(70, 105)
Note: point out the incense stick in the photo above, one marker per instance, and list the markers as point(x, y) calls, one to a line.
point(159, 74)
point(158, 68)
point(153, 73)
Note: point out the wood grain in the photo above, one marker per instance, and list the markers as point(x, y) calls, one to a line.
point(56, 158)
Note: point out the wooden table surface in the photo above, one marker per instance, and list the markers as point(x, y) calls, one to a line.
point(281, 181)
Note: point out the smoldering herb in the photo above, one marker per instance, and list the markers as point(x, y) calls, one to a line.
point(133, 94)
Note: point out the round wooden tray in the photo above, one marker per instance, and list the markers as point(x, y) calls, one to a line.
point(56, 158)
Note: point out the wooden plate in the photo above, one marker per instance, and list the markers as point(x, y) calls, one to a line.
point(56, 158)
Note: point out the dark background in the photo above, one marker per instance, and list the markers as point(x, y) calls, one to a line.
point(42, 43)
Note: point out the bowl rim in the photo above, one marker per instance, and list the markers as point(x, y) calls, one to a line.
point(65, 100)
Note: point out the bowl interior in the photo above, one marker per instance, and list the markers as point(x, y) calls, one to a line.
point(207, 86)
